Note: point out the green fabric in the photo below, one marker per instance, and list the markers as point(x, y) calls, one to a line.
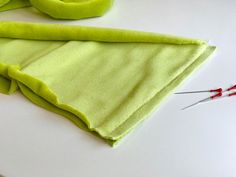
point(62, 9)
point(106, 81)
point(72, 9)
point(3, 2)
point(13, 4)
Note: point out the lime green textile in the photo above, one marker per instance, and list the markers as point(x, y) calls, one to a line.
point(62, 9)
point(13, 4)
point(106, 81)
point(72, 9)
point(3, 2)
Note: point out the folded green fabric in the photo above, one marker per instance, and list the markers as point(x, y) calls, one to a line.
point(62, 9)
point(13, 4)
point(106, 81)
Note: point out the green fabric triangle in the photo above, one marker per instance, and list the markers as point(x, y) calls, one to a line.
point(106, 81)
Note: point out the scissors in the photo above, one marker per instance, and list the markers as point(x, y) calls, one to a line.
point(218, 94)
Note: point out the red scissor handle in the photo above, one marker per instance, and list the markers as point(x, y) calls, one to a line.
point(231, 88)
point(216, 95)
point(219, 90)
point(232, 94)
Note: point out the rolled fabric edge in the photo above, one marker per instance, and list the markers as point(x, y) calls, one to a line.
point(73, 10)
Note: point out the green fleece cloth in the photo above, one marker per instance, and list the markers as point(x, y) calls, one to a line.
point(62, 9)
point(13, 4)
point(104, 80)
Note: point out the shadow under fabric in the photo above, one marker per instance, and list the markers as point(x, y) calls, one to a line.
point(106, 81)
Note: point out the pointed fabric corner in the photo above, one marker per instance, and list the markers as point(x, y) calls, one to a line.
point(106, 81)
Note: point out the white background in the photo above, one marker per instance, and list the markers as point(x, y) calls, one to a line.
point(198, 142)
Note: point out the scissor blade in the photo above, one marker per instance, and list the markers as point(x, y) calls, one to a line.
point(201, 101)
point(190, 105)
point(191, 92)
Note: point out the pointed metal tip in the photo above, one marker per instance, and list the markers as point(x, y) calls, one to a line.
point(190, 106)
point(185, 108)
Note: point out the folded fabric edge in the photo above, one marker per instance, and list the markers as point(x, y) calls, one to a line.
point(160, 96)
point(4, 85)
point(65, 33)
point(36, 99)
point(59, 32)
point(40, 94)
point(73, 10)
point(7, 84)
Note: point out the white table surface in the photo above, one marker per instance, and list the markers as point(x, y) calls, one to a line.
point(199, 142)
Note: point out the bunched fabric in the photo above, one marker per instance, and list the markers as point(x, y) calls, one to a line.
point(106, 81)
point(62, 9)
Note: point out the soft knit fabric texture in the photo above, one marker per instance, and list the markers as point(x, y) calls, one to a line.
point(106, 81)
point(62, 9)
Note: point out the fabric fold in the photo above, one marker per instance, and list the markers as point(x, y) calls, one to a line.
point(106, 81)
